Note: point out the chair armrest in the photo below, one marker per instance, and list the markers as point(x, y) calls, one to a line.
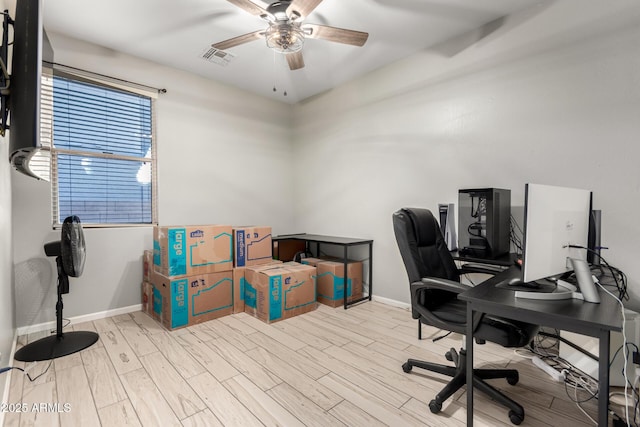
point(432, 283)
point(480, 268)
point(440, 284)
point(435, 283)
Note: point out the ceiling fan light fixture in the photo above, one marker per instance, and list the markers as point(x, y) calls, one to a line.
point(285, 37)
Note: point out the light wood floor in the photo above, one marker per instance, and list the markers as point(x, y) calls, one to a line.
point(331, 367)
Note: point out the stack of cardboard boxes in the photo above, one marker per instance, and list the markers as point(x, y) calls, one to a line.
point(199, 273)
point(191, 276)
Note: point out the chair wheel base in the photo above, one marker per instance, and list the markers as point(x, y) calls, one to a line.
point(435, 406)
point(516, 418)
point(406, 367)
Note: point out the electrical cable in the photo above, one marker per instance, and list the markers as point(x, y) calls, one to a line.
point(545, 347)
point(516, 238)
point(624, 350)
point(635, 395)
point(620, 283)
point(441, 336)
point(3, 370)
point(27, 373)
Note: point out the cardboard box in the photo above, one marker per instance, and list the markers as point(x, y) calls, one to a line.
point(252, 246)
point(191, 250)
point(312, 261)
point(189, 300)
point(238, 289)
point(239, 283)
point(147, 297)
point(278, 292)
point(147, 265)
point(330, 282)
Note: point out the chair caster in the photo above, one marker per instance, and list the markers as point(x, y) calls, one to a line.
point(435, 406)
point(406, 367)
point(513, 379)
point(449, 356)
point(516, 418)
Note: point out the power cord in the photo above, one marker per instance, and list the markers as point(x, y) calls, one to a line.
point(515, 234)
point(579, 386)
point(25, 371)
point(618, 275)
point(32, 379)
point(624, 349)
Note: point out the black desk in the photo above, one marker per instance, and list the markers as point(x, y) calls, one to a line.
point(345, 242)
point(595, 320)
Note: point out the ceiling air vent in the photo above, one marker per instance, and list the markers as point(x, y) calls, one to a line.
point(217, 56)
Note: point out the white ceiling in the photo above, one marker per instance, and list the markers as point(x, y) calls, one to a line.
point(176, 33)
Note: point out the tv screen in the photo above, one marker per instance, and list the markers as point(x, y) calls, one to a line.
point(30, 47)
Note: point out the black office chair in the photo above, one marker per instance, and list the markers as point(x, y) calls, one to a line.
point(434, 283)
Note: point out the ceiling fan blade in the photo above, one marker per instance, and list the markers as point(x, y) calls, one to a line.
point(295, 60)
point(338, 35)
point(249, 6)
point(302, 7)
point(245, 38)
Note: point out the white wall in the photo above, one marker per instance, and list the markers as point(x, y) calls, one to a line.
point(551, 97)
point(224, 156)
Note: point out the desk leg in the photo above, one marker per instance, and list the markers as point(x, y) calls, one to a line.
point(370, 271)
point(346, 277)
point(603, 379)
point(469, 351)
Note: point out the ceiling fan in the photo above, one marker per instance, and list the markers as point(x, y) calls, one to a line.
point(286, 32)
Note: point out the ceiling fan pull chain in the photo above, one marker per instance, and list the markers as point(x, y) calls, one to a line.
point(274, 71)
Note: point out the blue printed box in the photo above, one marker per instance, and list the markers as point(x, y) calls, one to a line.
point(280, 292)
point(251, 246)
point(330, 280)
point(189, 300)
point(190, 250)
point(239, 283)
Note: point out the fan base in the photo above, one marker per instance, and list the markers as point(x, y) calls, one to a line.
point(55, 346)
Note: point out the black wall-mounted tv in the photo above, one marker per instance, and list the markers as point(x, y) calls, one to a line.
point(30, 47)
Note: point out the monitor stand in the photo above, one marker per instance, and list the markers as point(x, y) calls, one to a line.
point(587, 289)
point(563, 291)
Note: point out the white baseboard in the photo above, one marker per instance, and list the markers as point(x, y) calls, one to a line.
point(22, 330)
point(391, 302)
point(78, 319)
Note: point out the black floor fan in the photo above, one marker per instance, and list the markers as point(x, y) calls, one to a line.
point(70, 255)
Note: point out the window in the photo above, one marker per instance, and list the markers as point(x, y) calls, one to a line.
point(102, 152)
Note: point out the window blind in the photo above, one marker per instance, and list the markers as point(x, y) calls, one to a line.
point(102, 153)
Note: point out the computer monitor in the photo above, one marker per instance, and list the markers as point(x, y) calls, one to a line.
point(556, 218)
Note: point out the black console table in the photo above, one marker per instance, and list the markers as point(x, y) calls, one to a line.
point(345, 242)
